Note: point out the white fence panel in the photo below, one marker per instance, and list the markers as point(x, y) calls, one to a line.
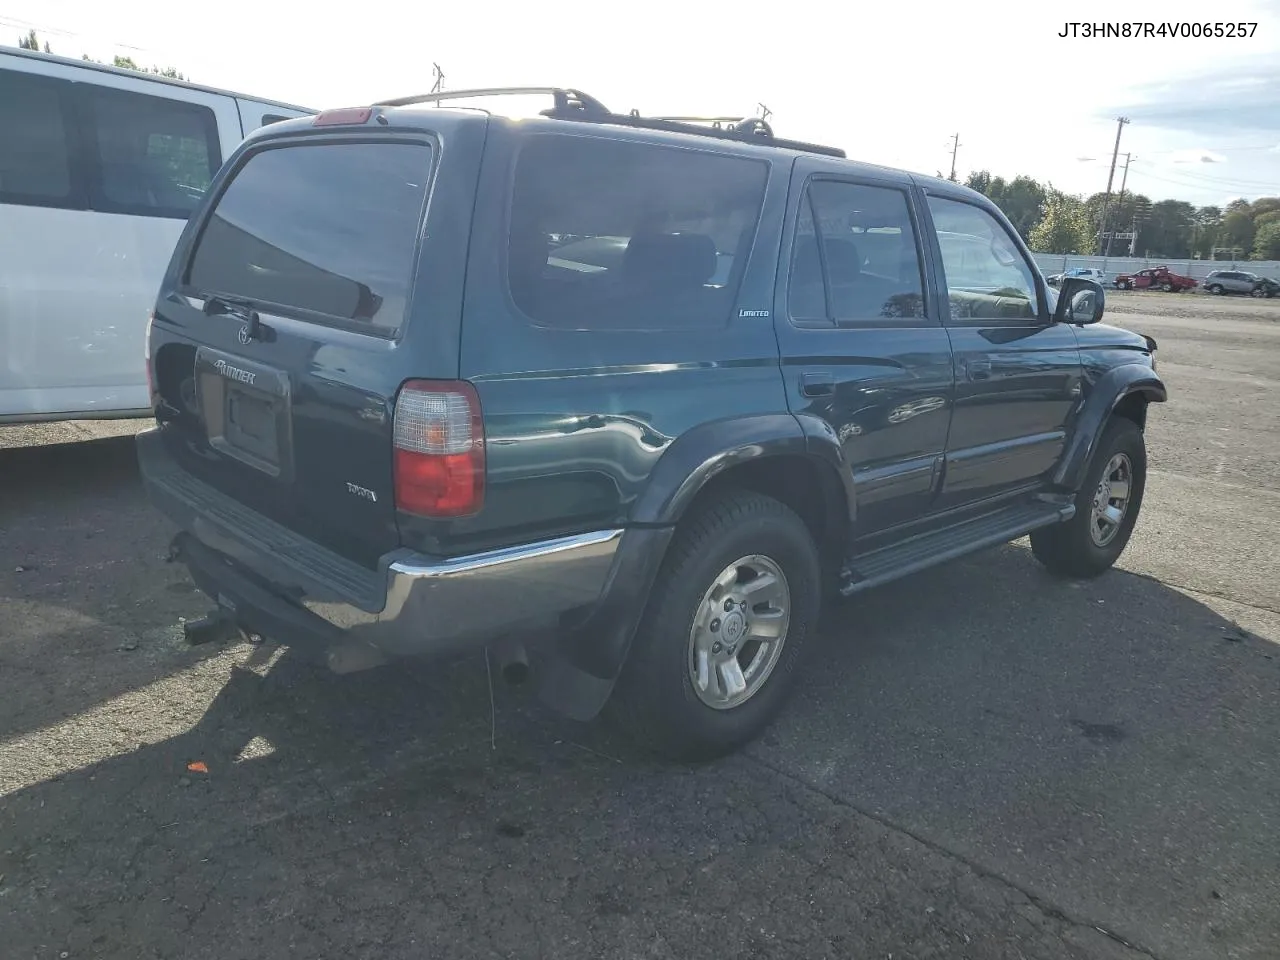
point(1051, 263)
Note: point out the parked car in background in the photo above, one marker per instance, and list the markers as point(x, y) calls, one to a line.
point(615, 399)
point(1088, 273)
point(1155, 278)
point(99, 168)
point(1222, 282)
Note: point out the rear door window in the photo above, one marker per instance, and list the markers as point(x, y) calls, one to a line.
point(155, 156)
point(325, 232)
point(855, 257)
point(35, 148)
point(609, 234)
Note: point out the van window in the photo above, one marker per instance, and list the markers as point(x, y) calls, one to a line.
point(327, 231)
point(609, 234)
point(864, 247)
point(155, 156)
point(35, 155)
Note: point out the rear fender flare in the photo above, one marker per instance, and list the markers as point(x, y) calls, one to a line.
point(594, 650)
point(1099, 405)
point(706, 451)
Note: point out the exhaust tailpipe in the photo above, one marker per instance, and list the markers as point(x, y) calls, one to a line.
point(513, 661)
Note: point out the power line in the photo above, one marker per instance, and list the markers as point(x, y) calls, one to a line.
point(1198, 186)
point(1225, 181)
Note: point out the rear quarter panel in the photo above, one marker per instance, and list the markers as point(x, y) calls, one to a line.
point(577, 420)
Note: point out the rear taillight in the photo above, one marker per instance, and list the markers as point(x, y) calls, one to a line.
point(439, 449)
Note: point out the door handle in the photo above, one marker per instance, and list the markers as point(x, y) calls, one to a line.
point(978, 369)
point(817, 384)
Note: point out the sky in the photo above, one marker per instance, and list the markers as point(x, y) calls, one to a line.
point(890, 83)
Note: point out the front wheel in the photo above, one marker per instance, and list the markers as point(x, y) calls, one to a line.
point(1258, 292)
point(1167, 287)
point(725, 626)
point(1107, 506)
point(1215, 289)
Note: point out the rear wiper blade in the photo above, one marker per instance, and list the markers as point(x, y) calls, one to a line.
point(241, 309)
point(219, 304)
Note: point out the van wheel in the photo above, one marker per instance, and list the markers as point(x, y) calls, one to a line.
point(1107, 506)
point(1215, 288)
point(725, 626)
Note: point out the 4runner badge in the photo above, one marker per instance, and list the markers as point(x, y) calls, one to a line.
point(234, 373)
point(360, 491)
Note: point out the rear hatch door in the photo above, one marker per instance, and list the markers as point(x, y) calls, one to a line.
point(289, 309)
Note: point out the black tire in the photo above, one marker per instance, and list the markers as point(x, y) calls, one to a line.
point(655, 700)
point(1167, 287)
point(1215, 289)
point(1068, 549)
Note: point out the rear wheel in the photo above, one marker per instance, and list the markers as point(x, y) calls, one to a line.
point(1107, 507)
point(724, 628)
point(1167, 287)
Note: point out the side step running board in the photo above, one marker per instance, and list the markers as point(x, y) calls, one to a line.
point(928, 549)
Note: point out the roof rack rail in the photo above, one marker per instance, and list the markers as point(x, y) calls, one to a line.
point(565, 98)
point(571, 104)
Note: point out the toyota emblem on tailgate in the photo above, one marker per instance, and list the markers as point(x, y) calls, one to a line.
point(244, 336)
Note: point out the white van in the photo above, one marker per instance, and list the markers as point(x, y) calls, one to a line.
point(99, 169)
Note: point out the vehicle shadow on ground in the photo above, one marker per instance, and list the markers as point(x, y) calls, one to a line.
point(89, 610)
point(391, 813)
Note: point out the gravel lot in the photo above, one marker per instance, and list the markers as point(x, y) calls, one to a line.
point(984, 762)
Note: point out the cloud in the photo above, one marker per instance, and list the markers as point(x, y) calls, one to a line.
point(1198, 156)
point(1244, 96)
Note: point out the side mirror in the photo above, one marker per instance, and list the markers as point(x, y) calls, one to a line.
point(1080, 301)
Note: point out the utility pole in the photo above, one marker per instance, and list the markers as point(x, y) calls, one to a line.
point(1106, 200)
point(1128, 158)
point(439, 75)
point(955, 145)
point(765, 112)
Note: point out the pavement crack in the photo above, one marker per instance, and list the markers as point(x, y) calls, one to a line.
point(1046, 908)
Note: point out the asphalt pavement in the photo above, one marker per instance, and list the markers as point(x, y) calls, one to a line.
point(982, 761)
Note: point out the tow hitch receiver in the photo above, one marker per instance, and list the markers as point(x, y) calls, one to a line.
point(215, 627)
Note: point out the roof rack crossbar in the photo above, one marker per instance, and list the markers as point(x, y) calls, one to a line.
point(571, 104)
point(565, 98)
point(737, 134)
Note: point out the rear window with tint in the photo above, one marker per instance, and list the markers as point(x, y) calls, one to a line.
point(325, 230)
point(621, 235)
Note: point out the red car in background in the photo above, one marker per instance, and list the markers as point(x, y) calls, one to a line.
point(1158, 278)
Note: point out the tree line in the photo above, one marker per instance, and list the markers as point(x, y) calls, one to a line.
point(32, 42)
point(1051, 221)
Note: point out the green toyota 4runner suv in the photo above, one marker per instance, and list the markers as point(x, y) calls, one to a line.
point(619, 399)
